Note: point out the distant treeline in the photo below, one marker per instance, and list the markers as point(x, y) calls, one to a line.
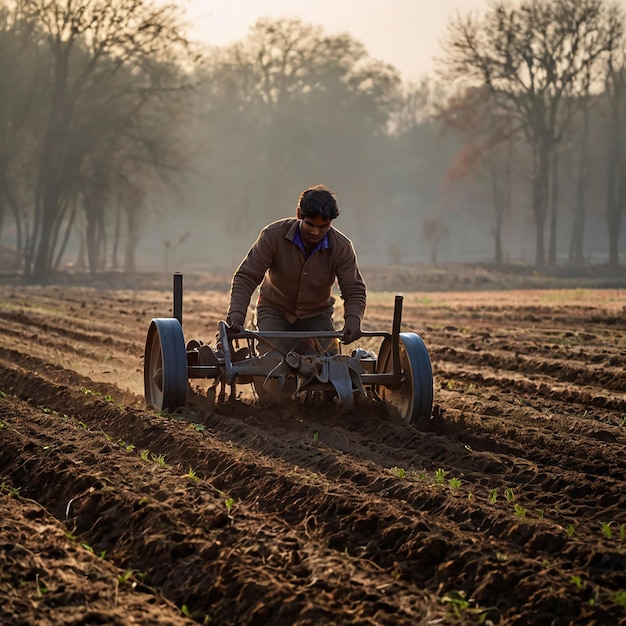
point(122, 143)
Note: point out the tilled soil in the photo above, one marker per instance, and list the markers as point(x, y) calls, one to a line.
point(509, 509)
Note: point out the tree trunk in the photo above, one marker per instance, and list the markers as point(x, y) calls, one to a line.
point(541, 186)
point(498, 204)
point(614, 220)
point(117, 235)
point(576, 245)
point(2, 212)
point(614, 195)
point(68, 229)
point(18, 220)
point(81, 260)
point(91, 234)
point(44, 244)
point(554, 209)
point(132, 238)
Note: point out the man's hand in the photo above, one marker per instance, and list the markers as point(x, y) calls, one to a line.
point(236, 321)
point(351, 329)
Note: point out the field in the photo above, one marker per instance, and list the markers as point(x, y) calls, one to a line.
point(509, 509)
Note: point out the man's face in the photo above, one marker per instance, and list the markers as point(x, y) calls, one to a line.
point(313, 229)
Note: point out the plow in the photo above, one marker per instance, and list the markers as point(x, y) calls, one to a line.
point(302, 365)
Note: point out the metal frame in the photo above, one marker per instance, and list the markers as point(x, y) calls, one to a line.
point(264, 359)
point(392, 379)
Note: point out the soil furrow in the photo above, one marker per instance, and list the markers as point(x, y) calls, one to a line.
point(508, 509)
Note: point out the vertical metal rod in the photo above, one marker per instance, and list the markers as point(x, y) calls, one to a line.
point(395, 337)
point(228, 360)
point(178, 297)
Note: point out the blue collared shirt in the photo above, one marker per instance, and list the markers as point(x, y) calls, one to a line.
point(322, 245)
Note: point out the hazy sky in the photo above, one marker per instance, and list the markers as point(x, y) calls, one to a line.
point(405, 33)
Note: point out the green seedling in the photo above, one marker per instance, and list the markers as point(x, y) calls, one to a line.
point(571, 529)
point(458, 602)
point(159, 459)
point(185, 611)
point(398, 472)
point(520, 511)
point(316, 437)
point(509, 495)
point(606, 529)
point(620, 598)
point(197, 427)
point(129, 447)
point(109, 398)
point(145, 455)
point(440, 475)
point(87, 547)
point(14, 492)
point(454, 483)
point(126, 576)
point(540, 513)
point(493, 495)
point(2, 425)
point(4, 395)
point(192, 476)
point(229, 504)
point(577, 581)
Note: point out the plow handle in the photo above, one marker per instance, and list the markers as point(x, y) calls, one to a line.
point(395, 335)
point(177, 308)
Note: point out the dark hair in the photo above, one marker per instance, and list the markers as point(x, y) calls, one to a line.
point(318, 200)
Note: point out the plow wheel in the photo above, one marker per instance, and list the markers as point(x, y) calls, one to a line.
point(413, 400)
point(165, 365)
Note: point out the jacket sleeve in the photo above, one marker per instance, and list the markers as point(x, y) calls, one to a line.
point(250, 273)
point(351, 283)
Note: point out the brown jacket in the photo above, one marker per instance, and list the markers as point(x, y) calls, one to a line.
point(299, 287)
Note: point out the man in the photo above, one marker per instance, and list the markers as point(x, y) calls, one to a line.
point(296, 261)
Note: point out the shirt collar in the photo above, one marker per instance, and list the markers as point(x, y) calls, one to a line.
point(322, 245)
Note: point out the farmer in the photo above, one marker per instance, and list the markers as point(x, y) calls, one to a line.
point(296, 261)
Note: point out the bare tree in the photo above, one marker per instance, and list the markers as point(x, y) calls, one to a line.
point(532, 55)
point(615, 99)
point(287, 105)
point(20, 79)
point(89, 45)
point(434, 231)
point(585, 104)
point(490, 139)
